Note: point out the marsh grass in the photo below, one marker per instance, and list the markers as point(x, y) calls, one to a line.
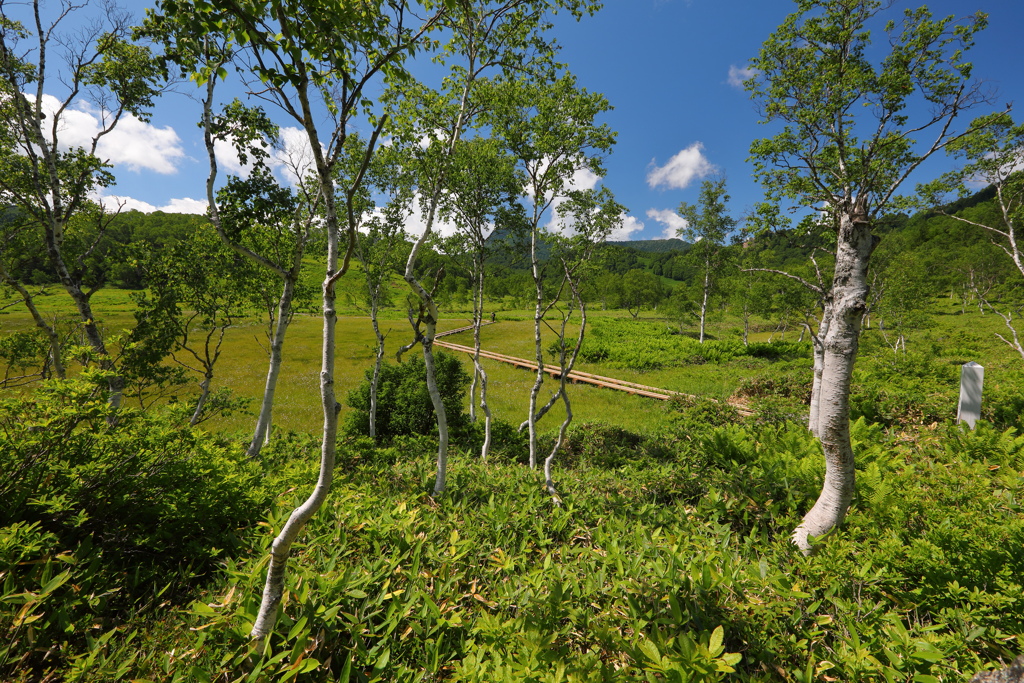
point(952, 337)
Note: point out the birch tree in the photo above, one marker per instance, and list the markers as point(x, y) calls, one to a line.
point(264, 222)
point(206, 288)
point(549, 125)
point(381, 248)
point(486, 36)
point(851, 129)
point(482, 189)
point(707, 226)
point(589, 217)
point(993, 153)
point(40, 172)
point(321, 80)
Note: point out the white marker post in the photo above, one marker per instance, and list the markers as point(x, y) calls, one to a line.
point(972, 376)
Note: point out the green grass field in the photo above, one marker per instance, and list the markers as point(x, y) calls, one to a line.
point(955, 335)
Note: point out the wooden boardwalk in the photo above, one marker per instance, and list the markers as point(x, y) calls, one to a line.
point(575, 376)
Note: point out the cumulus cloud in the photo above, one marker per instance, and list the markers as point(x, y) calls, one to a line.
point(686, 166)
point(582, 179)
point(293, 158)
point(415, 224)
point(585, 179)
point(185, 205)
point(672, 221)
point(737, 75)
point(134, 143)
point(111, 202)
point(627, 226)
point(227, 159)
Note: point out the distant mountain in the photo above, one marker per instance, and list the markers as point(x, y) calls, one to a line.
point(654, 246)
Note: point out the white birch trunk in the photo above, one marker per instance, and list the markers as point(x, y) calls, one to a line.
point(538, 350)
point(261, 436)
point(378, 361)
point(839, 343)
point(478, 368)
point(704, 301)
point(280, 549)
point(549, 483)
point(53, 339)
point(204, 393)
point(442, 417)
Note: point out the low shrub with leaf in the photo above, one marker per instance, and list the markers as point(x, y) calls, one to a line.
point(674, 565)
point(646, 345)
point(101, 510)
point(403, 403)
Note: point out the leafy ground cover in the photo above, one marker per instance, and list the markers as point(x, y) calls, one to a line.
point(670, 561)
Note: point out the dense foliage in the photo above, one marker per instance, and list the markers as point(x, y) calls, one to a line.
point(646, 345)
point(403, 403)
point(104, 512)
point(670, 561)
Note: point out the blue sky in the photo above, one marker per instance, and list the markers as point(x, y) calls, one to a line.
point(670, 69)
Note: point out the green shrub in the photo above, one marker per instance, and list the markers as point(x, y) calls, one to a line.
point(403, 402)
point(908, 389)
point(644, 345)
point(792, 381)
point(101, 509)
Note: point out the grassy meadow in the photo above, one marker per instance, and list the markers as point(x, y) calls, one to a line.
point(953, 336)
point(137, 550)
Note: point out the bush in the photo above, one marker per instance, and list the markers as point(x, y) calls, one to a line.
point(403, 403)
point(914, 389)
point(792, 382)
point(101, 508)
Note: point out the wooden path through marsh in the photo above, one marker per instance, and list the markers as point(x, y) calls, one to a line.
point(575, 376)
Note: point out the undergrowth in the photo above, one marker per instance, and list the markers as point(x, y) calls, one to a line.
point(670, 561)
point(135, 551)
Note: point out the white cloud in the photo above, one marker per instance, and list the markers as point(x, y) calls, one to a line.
point(582, 179)
point(737, 75)
point(672, 221)
point(293, 159)
point(686, 166)
point(185, 205)
point(111, 202)
point(416, 223)
point(142, 146)
point(227, 159)
point(627, 226)
point(134, 143)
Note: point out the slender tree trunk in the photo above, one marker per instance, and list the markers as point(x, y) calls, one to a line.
point(549, 483)
point(472, 390)
point(538, 349)
point(478, 368)
point(51, 334)
point(819, 360)
point(281, 548)
point(840, 343)
point(261, 435)
point(563, 378)
point(442, 417)
point(204, 393)
point(704, 303)
point(115, 383)
point(378, 362)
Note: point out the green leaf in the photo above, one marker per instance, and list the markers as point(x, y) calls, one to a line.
point(715, 644)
